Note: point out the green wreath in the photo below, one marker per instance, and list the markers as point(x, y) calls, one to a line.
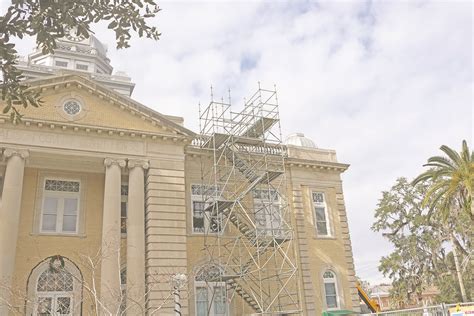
point(56, 263)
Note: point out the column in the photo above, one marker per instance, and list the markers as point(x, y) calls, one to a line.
point(9, 220)
point(110, 291)
point(136, 237)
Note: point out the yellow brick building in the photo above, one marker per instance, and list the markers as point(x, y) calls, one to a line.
point(102, 209)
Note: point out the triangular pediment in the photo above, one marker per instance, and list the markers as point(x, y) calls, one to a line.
point(74, 99)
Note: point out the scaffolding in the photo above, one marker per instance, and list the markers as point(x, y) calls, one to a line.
point(250, 235)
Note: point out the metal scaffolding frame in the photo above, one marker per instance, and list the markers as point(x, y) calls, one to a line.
point(250, 235)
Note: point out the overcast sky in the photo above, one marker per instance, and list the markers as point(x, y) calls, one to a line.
point(383, 83)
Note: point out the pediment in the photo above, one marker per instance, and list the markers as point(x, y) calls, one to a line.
point(73, 99)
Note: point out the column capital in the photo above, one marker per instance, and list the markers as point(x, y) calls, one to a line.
point(112, 161)
point(22, 153)
point(142, 163)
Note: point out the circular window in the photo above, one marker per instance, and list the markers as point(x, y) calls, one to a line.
point(72, 107)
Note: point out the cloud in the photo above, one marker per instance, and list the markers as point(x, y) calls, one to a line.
point(383, 83)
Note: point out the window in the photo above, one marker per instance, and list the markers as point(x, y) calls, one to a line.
point(123, 289)
point(61, 63)
point(72, 107)
point(267, 211)
point(202, 197)
point(123, 208)
point(320, 214)
point(211, 296)
point(60, 207)
point(54, 288)
point(330, 289)
point(82, 67)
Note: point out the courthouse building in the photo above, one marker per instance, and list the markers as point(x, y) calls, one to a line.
point(108, 206)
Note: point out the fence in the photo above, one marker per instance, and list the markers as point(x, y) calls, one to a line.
point(435, 310)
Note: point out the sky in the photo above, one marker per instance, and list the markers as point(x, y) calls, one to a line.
point(385, 84)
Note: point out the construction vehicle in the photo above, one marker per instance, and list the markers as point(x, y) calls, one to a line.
point(372, 304)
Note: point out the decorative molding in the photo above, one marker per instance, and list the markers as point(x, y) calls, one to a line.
point(111, 161)
point(86, 129)
point(113, 97)
point(132, 163)
point(22, 153)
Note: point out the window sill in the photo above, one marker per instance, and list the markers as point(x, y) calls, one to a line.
point(325, 237)
point(59, 235)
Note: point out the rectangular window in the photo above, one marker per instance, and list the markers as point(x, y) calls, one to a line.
point(331, 295)
point(123, 208)
point(61, 63)
point(211, 299)
point(320, 214)
point(60, 207)
point(202, 196)
point(267, 211)
point(201, 301)
point(82, 67)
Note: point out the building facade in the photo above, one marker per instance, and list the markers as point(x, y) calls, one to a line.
point(102, 213)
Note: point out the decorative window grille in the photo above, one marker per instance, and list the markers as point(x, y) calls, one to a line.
point(61, 185)
point(60, 208)
point(59, 280)
point(201, 197)
point(321, 214)
point(72, 107)
point(330, 289)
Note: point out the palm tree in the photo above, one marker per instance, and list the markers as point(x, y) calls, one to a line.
point(452, 180)
point(451, 188)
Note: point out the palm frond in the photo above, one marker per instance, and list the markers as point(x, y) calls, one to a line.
point(451, 154)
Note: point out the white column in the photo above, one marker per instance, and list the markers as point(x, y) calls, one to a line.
point(110, 291)
point(9, 221)
point(136, 237)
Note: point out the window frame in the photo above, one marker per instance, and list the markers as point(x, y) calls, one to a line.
point(324, 204)
point(333, 280)
point(206, 219)
point(38, 204)
point(259, 202)
point(210, 287)
point(60, 195)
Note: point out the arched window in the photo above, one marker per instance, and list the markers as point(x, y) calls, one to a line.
point(55, 288)
point(330, 289)
point(210, 293)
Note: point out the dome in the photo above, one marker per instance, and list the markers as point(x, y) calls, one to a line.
point(298, 139)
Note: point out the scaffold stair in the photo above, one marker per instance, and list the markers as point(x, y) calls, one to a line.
point(258, 128)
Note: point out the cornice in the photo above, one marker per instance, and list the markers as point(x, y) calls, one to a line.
point(114, 98)
point(194, 152)
point(315, 164)
point(90, 130)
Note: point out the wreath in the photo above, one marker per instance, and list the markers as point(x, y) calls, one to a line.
point(56, 263)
